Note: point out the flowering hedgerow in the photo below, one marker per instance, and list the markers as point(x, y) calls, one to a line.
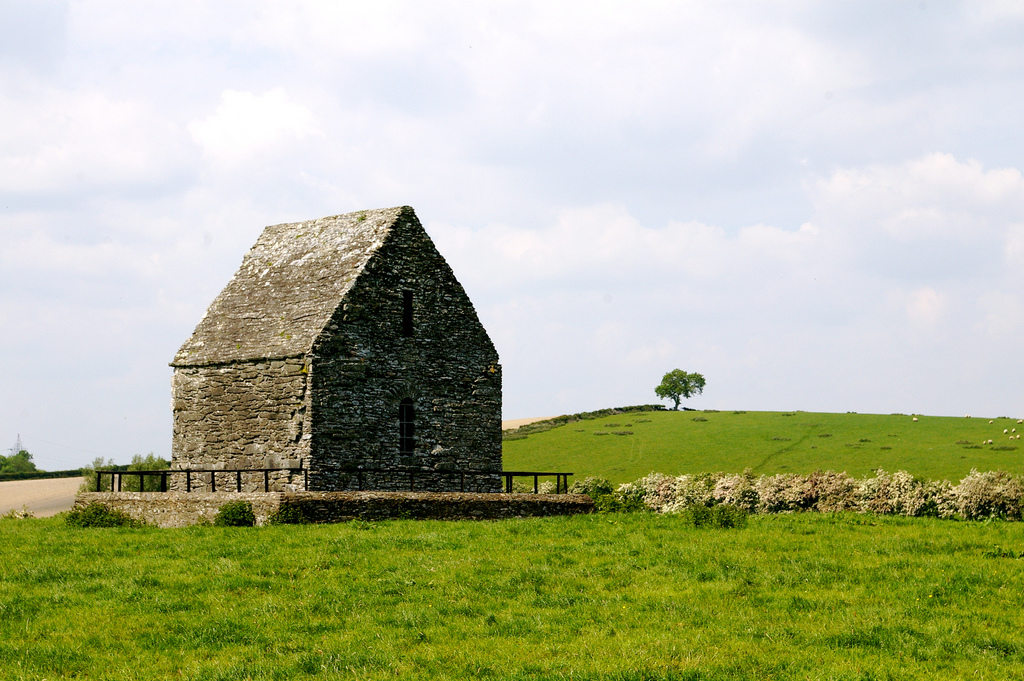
point(978, 496)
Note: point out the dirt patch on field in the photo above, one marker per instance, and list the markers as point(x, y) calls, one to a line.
point(42, 497)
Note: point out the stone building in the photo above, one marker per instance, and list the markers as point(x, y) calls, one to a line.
point(342, 342)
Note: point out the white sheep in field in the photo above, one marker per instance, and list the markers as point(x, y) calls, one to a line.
point(1013, 430)
point(989, 441)
point(967, 416)
point(1020, 420)
point(915, 418)
point(1005, 431)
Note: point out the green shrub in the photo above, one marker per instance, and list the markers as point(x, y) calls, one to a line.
point(728, 515)
point(698, 515)
point(89, 473)
point(613, 503)
point(722, 515)
point(287, 515)
point(99, 515)
point(145, 463)
point(235, 514)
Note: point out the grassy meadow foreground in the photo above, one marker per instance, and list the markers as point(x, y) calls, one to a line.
point(630, 596)
point(627, 446)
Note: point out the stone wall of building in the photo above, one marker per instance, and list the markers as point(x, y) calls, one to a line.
point(364, 365)
point(241, 415)
point(177, 509)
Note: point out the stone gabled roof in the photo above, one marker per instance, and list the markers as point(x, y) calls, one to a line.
point(289, 285)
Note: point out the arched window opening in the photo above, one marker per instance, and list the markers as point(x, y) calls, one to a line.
point(407, 313)
point(406, 427)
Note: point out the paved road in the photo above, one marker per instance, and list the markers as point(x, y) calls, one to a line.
point(43, 497)
point(515, 423)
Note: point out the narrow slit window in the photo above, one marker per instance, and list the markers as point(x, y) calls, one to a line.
point(406, 427)
point(406, 313)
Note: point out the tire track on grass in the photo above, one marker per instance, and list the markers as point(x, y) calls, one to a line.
point(788, 448)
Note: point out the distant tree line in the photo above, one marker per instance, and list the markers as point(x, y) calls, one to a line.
point(18, 465)
point(17, 462)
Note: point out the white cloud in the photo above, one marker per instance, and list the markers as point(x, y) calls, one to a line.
point(1015, 246)
point(769, 300)
point(1003, 316)
point(245, 124)
point(925, 307)
point(80, 142)
point(933, 217)
point(922, 198)
point(603, 243)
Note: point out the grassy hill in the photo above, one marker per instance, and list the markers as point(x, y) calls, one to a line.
point(626, 446)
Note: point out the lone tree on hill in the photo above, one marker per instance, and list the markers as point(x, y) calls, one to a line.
point(677, 384)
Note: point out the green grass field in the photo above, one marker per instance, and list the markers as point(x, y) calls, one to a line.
point(769, 442)
point(636, 596)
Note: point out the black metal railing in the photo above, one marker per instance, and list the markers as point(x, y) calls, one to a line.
point(360, 474)
point(561, 479)
point(190, 472)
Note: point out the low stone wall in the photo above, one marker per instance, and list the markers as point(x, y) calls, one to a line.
point(332, 507)
point(179, 509)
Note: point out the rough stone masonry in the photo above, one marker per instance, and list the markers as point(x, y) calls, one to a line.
point(341, 342)
point(178, 509)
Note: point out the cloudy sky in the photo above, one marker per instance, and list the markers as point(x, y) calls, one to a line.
point(817, 205)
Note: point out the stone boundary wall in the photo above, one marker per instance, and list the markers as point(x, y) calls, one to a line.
point(180, 509)
point(332, 507)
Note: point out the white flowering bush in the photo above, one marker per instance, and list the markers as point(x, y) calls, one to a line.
point(693, 490)
point(737, 490)
point(782, 493)
point(832, 491)
point(897, 493)
point(978, 496)
point(659, 490)
point(18, 513)
point(632, 492)
point(939, 493)
point(985, 495)
point(592, 486)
